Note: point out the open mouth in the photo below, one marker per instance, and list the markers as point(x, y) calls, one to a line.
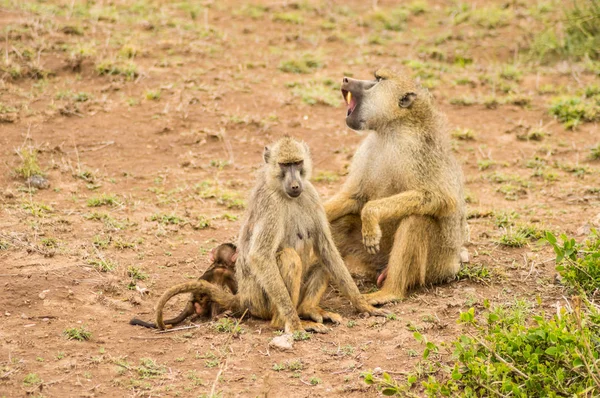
point(350, 101)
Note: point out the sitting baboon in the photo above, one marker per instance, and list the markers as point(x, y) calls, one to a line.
point(285, 229)
point(221, 272)
point(401, 210)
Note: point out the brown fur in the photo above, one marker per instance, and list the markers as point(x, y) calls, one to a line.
point(281, 234)
point(401, 211)
point(221, 273)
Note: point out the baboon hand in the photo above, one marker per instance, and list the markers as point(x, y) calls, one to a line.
point(318, 315)
point(371, 237)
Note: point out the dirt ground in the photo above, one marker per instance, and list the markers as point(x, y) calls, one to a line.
point(142, 154)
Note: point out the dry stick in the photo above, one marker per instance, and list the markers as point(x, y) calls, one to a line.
point(177, 329)
point(224, 366)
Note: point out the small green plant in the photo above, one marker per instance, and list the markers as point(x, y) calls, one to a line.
point(148, 368)
point(153, 95)
point(29, 163)
point(226, 325)
point(103, 264)
point(136, 273)
point(278, 367)
point(77, 333)
point(288, 17)
point(595, 153)
point(314, 381)
point(513, 238)
point(475, 272)
point(31, 380)
point(167, 219)
point(301, 335)
point(578, 264)
point(463, 134)
point(103, 200)
point(572, 111)
point(305, 64)
point(127, 69)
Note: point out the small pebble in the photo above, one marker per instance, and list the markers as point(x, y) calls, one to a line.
point(284, 342)
point(38, 181)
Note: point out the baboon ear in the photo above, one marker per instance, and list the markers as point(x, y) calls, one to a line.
point(407, 100)
point(234, 256)
point(211, 256)
point(267, 154)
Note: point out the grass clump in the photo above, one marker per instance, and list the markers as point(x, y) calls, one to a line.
point(29, 163)
point(578, 264)
point(572, 111)
point(595, 153)
point(226, 325)
point(148, 368)
point(79, 334)
point(127, 70)
point(512, 350)
point(305, 64)
point(167, 219)
point(32, 379)
point(463, 134)
point(288, 17)
point(103, 200)
point(318, 94)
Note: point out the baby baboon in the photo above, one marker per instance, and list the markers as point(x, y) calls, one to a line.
point(401, 210)
point(285, 226)
point(221, 273)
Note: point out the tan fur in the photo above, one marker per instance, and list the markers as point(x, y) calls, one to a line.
point(281, 234)
point(221, 273)
point(401, 210)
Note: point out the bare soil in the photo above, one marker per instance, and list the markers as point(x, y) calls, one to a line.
point(192, 153)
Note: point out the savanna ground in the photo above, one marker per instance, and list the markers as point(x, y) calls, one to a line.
point(148, 119)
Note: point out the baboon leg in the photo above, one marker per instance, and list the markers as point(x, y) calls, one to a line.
point(313, 288)
point(347, 236)
point(408, 259)
point(290, 268)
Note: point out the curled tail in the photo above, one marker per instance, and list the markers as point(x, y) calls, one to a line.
point(225, 299)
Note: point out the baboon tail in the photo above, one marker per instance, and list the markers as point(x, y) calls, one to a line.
point(220, 296)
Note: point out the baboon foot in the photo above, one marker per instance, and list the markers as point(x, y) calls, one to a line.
point(314, 327)
point(382, 297)
point(319, 315)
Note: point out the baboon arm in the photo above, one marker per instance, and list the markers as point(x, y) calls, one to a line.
point(332, 261)
point(436, 204)
point(340, 205)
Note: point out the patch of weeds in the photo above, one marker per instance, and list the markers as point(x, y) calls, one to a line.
point(465, 100)
point(301, 335)
point(315, 380)
point(202, 222)
point(306, 64)
point(103, 264)
point(77, 333)
point(128, 70)
point(532, 135)
point(101, 243)
point(167, 219)
point(512, 73)
point(219, 163)
point(503, 219)
point(32, 379)
point(530, 231)
point(136, 273)
point(578, 263)
point(484, 164)
point(326, 176)
point(252, 11)
point(227, 325)
point(463, 134)
point(108, 221)
point(208, 190)
point(517, 351)
point(153, 95)
point(103, 200)
point(37, 209)
point(394, 19)
point(351, 324)
point(29, 163)
point(572, 111)
point(316, 93)
point(148, 368)
point(513, 238)
point(594, 153)
point(288, 17)
point(278, 367)
point(475, 272)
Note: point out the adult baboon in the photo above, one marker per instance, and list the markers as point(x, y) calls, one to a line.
point(284, 230)
point(401, 210)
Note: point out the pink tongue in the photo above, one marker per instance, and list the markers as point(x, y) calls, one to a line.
point(352, 104)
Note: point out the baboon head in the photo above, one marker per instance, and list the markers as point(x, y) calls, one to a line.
point(390, 97)
point(225, 254)
point(288, 165)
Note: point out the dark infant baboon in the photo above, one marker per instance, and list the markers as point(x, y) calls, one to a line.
point(221, 272)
